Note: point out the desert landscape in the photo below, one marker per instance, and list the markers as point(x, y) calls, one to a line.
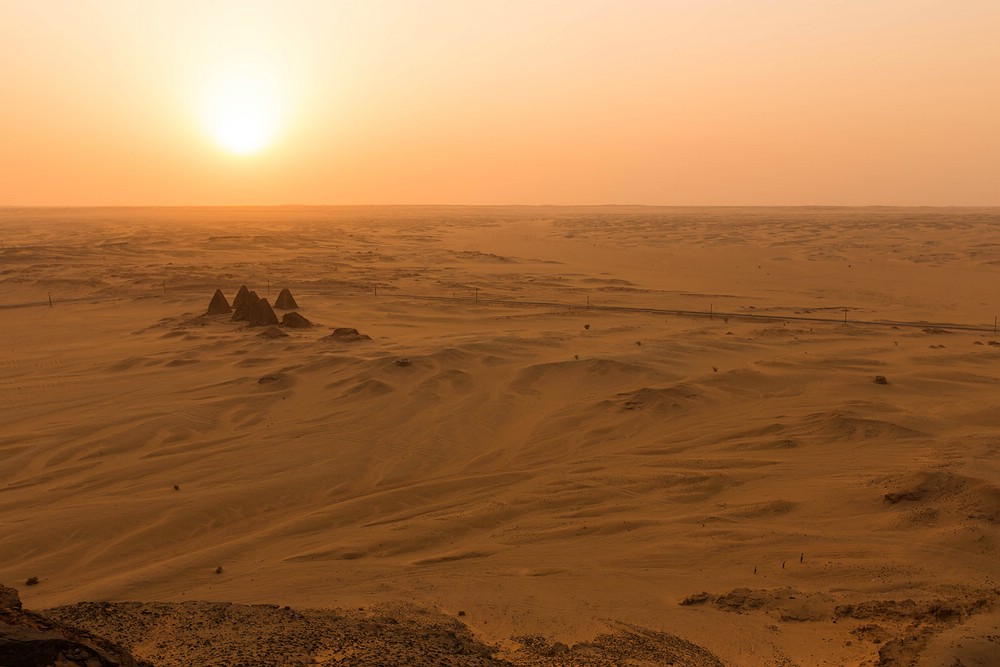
point(562, 436)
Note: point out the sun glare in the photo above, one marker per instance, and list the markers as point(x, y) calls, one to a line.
point(243, 107)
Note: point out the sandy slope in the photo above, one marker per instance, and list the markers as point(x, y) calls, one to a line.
point(548, 470)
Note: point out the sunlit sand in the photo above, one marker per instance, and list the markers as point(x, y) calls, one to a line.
point(524, 433)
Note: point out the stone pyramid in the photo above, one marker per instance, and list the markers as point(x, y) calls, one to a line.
point(242, 307)
point(261, 314)
point(219, 304)
point(241, 297)
point(285, 300)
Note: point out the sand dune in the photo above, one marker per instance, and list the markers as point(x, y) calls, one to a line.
point(550, 470)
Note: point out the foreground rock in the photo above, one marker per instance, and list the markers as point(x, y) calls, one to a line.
point(212, 633)
point(31, 640)
point(954, 630)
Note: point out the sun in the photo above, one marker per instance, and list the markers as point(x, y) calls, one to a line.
point(242, 106)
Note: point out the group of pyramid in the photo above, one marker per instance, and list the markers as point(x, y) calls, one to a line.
point(256, 311)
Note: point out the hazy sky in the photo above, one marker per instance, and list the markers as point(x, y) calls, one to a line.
point(500, 101)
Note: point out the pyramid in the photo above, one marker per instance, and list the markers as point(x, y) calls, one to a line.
point(219, 305)
point(261, 314)
point(285, 300)
point(243, 307)
point(241, 297)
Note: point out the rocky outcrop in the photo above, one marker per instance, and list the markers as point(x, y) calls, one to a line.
point(295, 321)
point(9, 599)
point(30, 640)
point(347, 335)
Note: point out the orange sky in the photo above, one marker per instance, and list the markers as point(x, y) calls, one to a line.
point(771, 102)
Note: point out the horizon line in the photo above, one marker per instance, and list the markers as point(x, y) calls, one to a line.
point(508, 205)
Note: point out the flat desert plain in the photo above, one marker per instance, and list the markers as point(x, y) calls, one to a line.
point(652, 429)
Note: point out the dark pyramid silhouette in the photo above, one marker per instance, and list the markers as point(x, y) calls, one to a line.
point(295, 321)
point(241, 297)
point(219, 304)
point(252, 309)
point(261, 314)
point(242, 308)
point(285, 300)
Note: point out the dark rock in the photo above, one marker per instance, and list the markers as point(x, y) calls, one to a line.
point(880, 379)
point(219, 305)
point(30, 640)
point(696, 598)
point(9, 598)
point(285, 300)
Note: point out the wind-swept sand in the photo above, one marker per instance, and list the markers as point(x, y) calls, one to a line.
point(502, 450)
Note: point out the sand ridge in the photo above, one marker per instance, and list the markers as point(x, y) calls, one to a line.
point(549, 471)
